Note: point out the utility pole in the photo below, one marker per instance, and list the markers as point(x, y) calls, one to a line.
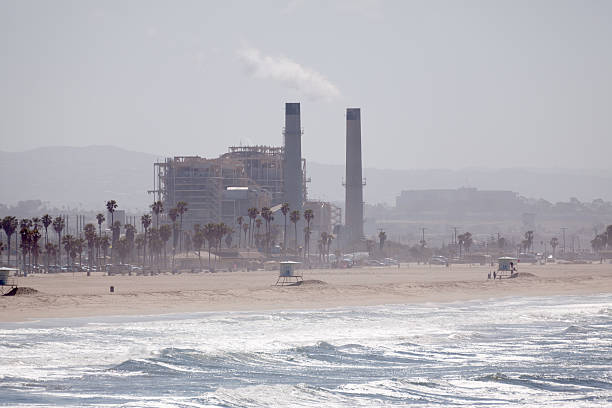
point(423, 237)
point(455, 236)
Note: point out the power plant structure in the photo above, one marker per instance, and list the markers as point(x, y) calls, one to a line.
point(295, 193)
point(354, 181)
point(222, 189)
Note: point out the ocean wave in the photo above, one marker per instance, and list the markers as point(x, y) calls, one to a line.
point(531, 352)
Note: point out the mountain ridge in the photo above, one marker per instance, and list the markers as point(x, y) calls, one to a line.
point(87, 176)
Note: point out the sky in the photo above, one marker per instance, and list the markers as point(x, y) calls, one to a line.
point(441, 84)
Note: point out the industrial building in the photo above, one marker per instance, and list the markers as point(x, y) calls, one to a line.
point(221, 189)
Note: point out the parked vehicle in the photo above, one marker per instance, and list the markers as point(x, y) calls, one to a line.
point(438, 260)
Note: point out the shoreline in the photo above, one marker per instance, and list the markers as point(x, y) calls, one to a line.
point(68, 295)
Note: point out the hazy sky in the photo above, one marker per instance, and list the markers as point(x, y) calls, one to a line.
point(441, 84)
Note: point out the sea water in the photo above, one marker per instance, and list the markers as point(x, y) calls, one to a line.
point(553, 351)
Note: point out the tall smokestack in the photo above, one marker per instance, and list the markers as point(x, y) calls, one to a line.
point(293, 187)
point(354, 180)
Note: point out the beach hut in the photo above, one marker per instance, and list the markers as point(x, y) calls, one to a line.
point(506, 267)
point(288, 273)
point(7, 282)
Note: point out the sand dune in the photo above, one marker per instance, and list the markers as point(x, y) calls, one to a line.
point(71, 295)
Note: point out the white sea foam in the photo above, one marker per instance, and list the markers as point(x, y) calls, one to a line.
point(533, 351)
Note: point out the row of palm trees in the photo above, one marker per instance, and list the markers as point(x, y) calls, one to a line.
point(603, 240)
point(154, 238)
point(254, 222)
point(213, 234)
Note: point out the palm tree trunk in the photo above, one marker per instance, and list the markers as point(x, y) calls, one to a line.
point(181, 235)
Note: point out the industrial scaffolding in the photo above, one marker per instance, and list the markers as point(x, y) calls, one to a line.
point(203, 183)
point(263, 165)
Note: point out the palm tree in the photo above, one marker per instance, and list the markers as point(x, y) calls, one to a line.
point(101, 219)
point(554, 243)
point(104, 244)
point(111, 206)
point(130, 235)
point(90, 236)
point(9, 225)
point(46, 222)
point(220, 230)
point(308, 216)
point(322, 244)
point(78, 250)
point(165, 232)
point(50, 250)
point(382, 237)
point(239, 221)
point(252, 213)
point(465, 241)
point(157, 208)
point(58, 226)
point(146, 223)
point(330, 238)
point(245, 228)
point(229, 236)
point(285, 210)
point(208, 233)
point(69, 243)
point(181, 208)
point(115, 233)
point(24, 233)
point(173, 215)
point(294, 218)
point(266, 214)
point(155, 245)
point(123, 249)
point(139, 243)
point(258, 223)
point(35, 237)
point(198, 241)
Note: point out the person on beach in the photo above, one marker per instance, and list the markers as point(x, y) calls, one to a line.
point(494, 275)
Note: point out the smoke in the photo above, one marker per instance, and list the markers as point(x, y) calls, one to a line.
point(291, 74)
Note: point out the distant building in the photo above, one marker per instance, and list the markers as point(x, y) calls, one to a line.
point(326, 216)
point(215, 190)
point(236, 201)
point(456, 201)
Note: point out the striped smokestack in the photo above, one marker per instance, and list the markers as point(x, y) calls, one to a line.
point(354, 180)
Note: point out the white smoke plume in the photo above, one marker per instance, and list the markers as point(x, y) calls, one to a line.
point(307, 81)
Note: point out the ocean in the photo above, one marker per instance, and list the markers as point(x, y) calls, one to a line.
point(546, 351)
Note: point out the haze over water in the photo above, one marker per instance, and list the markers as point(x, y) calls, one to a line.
point(552, 351)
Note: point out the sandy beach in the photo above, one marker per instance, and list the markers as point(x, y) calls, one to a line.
point(75, 295)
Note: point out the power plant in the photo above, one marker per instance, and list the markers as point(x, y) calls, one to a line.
point(222, 189)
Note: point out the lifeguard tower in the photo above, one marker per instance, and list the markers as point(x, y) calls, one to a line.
point(288, 273)
point(506, 267)
point(7, 282)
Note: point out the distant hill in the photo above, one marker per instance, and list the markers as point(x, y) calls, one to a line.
point(77, 176)
point(86, 177)
point(385, 185)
